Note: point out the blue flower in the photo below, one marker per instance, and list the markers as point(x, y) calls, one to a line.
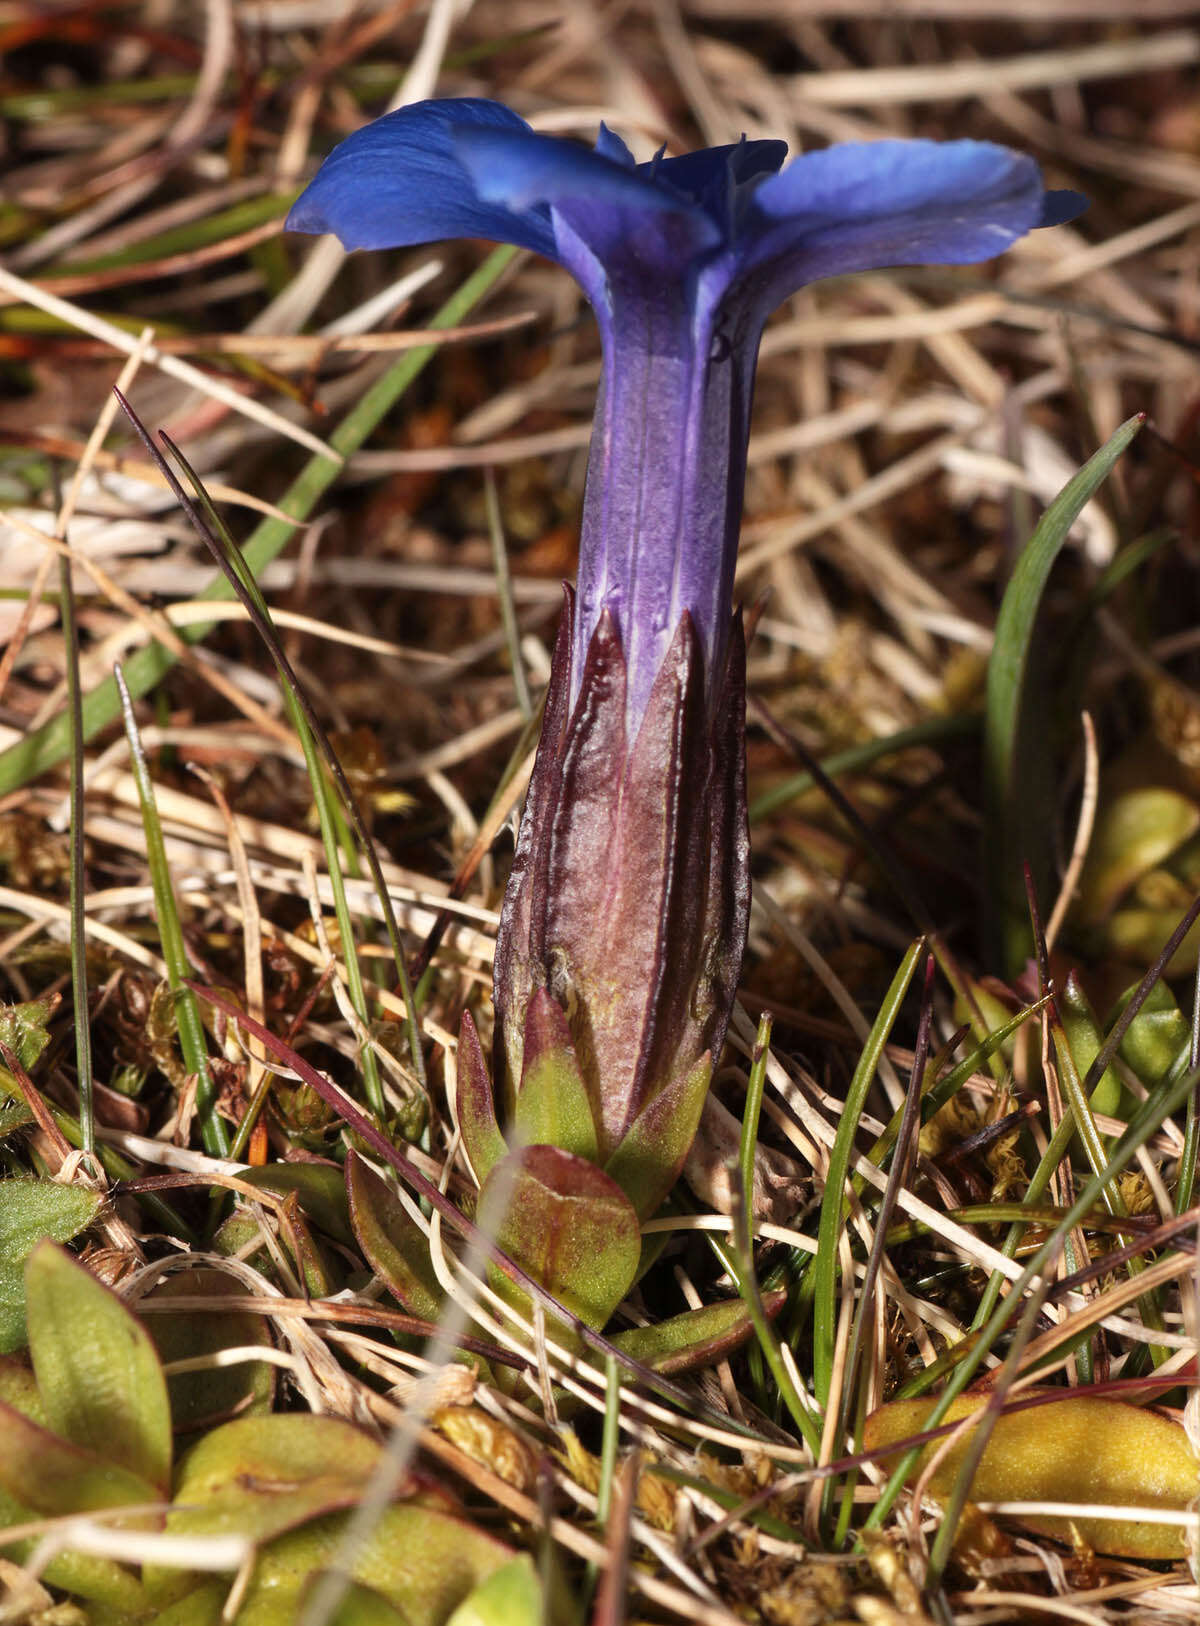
point(683, 259)
point(629, 895)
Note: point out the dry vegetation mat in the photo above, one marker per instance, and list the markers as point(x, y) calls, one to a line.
point(914, 1338)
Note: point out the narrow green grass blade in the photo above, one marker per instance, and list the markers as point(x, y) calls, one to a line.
point(741, 1262)
point(335, 834)
point(833, 1203)
point(935, 1096)
point(751, 1113)
point(608, 1465)
point(855, 757)
point(853, 1393)
point(1186, 1179)
point(45, 747)
point(1009, 827)
point(322, 800)
point(79, 985)
point(174, 952)
point(508, 608)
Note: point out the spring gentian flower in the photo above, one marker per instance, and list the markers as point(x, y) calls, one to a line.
point(629, 895)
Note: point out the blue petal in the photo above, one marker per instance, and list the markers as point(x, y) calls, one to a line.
point(610, 145)
point(708, 176)
point(522, 169)
point(400, 181)
point(613, 225)
point(1060, 207)
point(863, 206)
point(868, 180)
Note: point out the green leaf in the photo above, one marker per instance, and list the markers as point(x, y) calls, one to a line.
point(29, 1211)
point(200, 1607)
point(97, 1370)
point(25, 1030)
point(1135, 833)
point(476, 1104)
point(694, 1338)
point(1156, 1040)
point(510, 1596)
point(14, 1115)
point(45, 1472)
point(260, 1476)
point(275, 1605)
point(568, 1224)
point(1084, 1036)
point(423, 1561)
point(1013, 814)
point(651, 1153)
point(321, 1188)
point(1080, 1448)
point(80, 1574)
point(18, 1387)
point(115, 1593)
point(202, 1398)
point(833, 1202)
point(394, 1244)
point(314, 1265)
point(553, 1107)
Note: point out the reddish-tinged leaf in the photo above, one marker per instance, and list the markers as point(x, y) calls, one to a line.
point(49, 1474)
point(484, 1143)
point(696, 1338)
point(568, 1224)
point(647, 1162)
point(18, 1387)
point(425, 1189)
point(395, 1246)
point(25, 1029)
point(319, 1187)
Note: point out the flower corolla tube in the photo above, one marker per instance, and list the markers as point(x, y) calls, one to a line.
point(629, 895)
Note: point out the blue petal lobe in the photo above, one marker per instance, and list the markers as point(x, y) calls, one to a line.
point(613, 225)
point(705, 175)
point(1060, 207)
point(609, 145)
point(882, 179)
point(522, 169)
point(399, 181)
point(721, 180)
point(863, 206)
